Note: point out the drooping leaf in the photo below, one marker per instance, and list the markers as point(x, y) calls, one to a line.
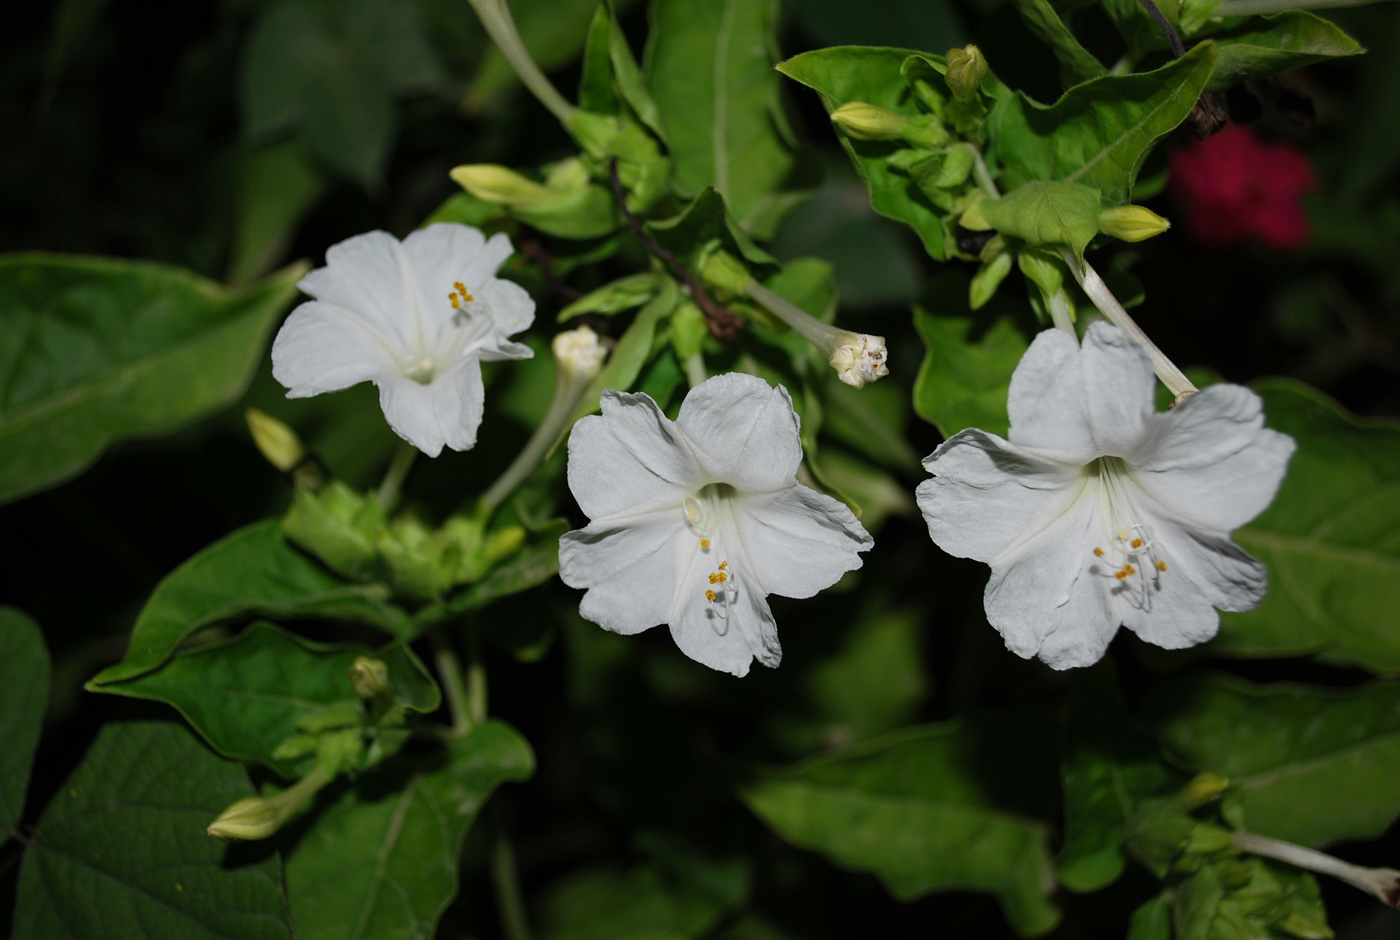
point(246, 695)
point(24, 697)
point(1099, 132)
point(1047, 213)
point(121, 850)
point(1076, 63)
point(95, 350)
point(1331, 539)
point(843, 74)
point(1266, 45)
point(381, 860)
point(1307, 765)
point(916, 809)
point(252, 571)
point(710, 69)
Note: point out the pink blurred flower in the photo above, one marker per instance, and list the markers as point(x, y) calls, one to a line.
point(1234, 185)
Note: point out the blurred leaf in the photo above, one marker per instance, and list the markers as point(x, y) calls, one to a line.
point(1136, 25)
point(1153, 920)
point(1109, 766)
point(381, 860)
point(632, 350)
point(335, 69)
point(535, 564)
point(878, 493)
point(274, 188)
point(1099, 132)
point(1308, 765)
point(918, 809)
point(252, 571)
point(808, 283)
point(95, 350)
point(704, 224)
point(1076, 63)
point(24, 697)
point(1331, 539)
point(598, 903)
point(710, 69)
point(625, 293)
point(246, 695)
point(966, 373)
point(1047, 212)
point(873, 421)
point(121, 850)
point(856, 73)
point(1284, 41)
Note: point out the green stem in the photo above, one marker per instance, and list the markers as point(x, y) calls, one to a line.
point(476, 676)
point(450, 672)
point(495, 16)
point(1060, 315)
point(506, 880)
point(983, 176)
point(695, 372)
point(393, 477)
point(567, 393)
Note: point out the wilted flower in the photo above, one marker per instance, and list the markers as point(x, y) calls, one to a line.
point(696, 521)
point(415, 318)
point(1099, 511)
point(1234, 185)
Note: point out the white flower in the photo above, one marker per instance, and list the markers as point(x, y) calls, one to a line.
point(415, 318)
point(1100, 511)
point(696, 521)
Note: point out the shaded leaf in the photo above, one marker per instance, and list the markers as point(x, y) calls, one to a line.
point(252, 571)
point(1047, 213)
point(1076, 63)
point(1284, 42)
point(381, 859)
point(275, 187)
point(535, 564)
point(95, 350)
point(121, 849)
point(24, 697)
point(598, 903)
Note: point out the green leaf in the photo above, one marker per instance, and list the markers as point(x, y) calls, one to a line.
point(857, 73)
point(246, 695)
point(1076, 64)
point(966, 373)
point(121, 850)
point(381, 860)
point(914, 807)
point(535, 564)
point(1329, 539)
point(1139, 30)
point(624, 293)
point(1288, 41)
point(24, 697)
point(600, 903)
point(1152, 921)
point(1109, 767)
point(710, 69)
point(95, 350)
point(251, 571)
point(1307, 765)
point(553, 31)
point(596, 92)
point(632, 350)
point(1044, 212)
point(1099, 132)
point(274, 188)
point(705, 224)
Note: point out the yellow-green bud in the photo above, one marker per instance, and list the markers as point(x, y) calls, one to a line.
point(295, 747)
point(252, 818)
point(578, 354)
point(867, 121)
point(504, 543)
point(966, 69)
point(500, 186)
point(1209, 839)
point(1132, 223)
point(370, 677)
point(724, 272)
point(1204, 788)
point(275, 441)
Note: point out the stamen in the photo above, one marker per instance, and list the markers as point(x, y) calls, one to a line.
point(1098, 552)
point(723, 565)
point(709, 595)
point(705, 544)
point(1137, 543)
point(1160, 565)
point(456, 304)
point(714, 577)
point(722, 577)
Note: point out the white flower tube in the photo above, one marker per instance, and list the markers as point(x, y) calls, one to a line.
point(1099, 511)
point(696, 521)
point(415, 318)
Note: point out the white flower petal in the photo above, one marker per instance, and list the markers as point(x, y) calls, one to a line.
point(628, 568)
point(364, 276)
point(630, 459)
point(322, 348)
point(511, 309)
point(798, 541)
point(987, 494)
point(1118, 387)
point(728, 634)
point(445, 412)
point(743, 431)
point(1046, 401)
point(1211, 460)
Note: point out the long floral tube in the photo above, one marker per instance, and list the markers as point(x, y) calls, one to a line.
point(858, 358)
point(1383, 883)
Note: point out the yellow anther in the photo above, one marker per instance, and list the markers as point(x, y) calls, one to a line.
point(1161, 566)
point(1120, 575)
point(723, 565)
point(704, 543)
point(456, 304)
point(723, 577)
point(709, 595)
point(690, 511)
point(1137, 543)
point(715, 577)
point(1098, 553)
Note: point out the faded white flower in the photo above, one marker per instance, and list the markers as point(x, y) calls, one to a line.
point(1099, 511)
point(696, 521)
point(415, 318)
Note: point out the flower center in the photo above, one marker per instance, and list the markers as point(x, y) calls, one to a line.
point(459, 296)
point(1134, 563)
point(702, 513)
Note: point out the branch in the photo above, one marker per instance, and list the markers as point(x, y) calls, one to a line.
point(1207, 116)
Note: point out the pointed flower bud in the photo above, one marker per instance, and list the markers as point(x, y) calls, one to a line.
point(370, 677)
point(275, 441)
point(259, 817)
point(1204, 788)
point(967, 67)
point(1132, 223)
point(867, 121)
point(501, 186)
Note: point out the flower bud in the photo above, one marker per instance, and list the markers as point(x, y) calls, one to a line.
point(966, 69)
point(275, 441)
point(860, 358)
point(1209, 839)
point(370, 677)
point(500, 186)
point(867, 121)
point(723, 272)
point(254, 817)
point(1132, 223)
point(1202, 789)
point(578, 354)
